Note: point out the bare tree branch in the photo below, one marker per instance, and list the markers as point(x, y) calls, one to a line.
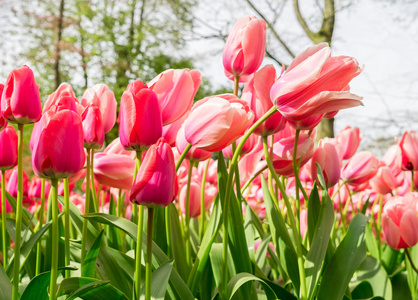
point(312, 35)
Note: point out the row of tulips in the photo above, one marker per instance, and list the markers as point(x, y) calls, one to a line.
point(225, 198)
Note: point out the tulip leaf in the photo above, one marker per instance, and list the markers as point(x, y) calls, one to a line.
point(131, 228)
point(159, 280)
point(5, 286)
point(114, 238)
point(347, 257)
point(371, 243)
point(38, 287)
point(249, 233)
point(262, 250)
point(27, 217)
point(281, 239)
point(159, 236)
point(126, 262)
point(389, 258)
point(314, 260)
point(177, 243)
point(314, 207)
point(217, 263)
point(412, 275)
point(238, 280)
point(89, 265)
point(400, 288)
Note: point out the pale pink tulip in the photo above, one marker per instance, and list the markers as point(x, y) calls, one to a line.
point(194, 199)
point(248, 146)
point(194, 154)
point(115, 147)
point(327, 157)
point(383, 182)
point(348, 141)
point(409, 150)
point(360, 168)
point(114, 170)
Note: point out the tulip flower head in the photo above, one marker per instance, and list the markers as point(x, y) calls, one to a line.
point(93, 127)
point(8, 148)
point(409, 150)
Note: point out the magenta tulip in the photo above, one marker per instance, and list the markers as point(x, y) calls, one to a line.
point(315, 84)
point(92, 127)
point(327, 157)
point(35, 188)
point(8, 148)
point(245, 47)
point(114, 170)
point(257, 94)
point(11, 187)
point(156, 182)
point(175, 90)
point(400, 221)
point(3, 122)
point(409, 150)
point(64, 90)
point(217, 121)
point(140, 117)
point(20, 101)
point(360, 168)
point(59, 151)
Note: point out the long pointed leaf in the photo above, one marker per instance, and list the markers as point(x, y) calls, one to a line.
point(88, 268)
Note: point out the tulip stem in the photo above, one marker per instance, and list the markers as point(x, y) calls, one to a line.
point(93, 188)
point(86, 209)
point(54, 261)
point(408, 254)
point(202, 200)
point(247, 184)
point(378, 228)
point(187, 218)
point(148, 266)
point(412, 181)
point(19, 201)
point(182, 156)
point(138, 250)
point(296, 172)
point(236, 85)
point(3, 217)
point(41, 221)
point(67, 225)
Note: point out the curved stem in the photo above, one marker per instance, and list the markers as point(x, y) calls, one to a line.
point(187, 218)
point(86, 209)
point(67, 225)
point(247, 184)
point(3, 217)
point(148, 266)
point(408, 254)
point(54, 261)
point(19, 201)
point(296, 172)
point(183, 156)
point(202, 200)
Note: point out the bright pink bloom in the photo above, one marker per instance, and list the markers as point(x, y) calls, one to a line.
point(244, 48)
point(194, 154)
point(59, 151)
point(393, 159)
point(360, 168)
point(400, 221)
point(3, 122)
point(64, 90)
point(101, 96)
point(257, 94)
point(409, 150)
point(93, 127)
point(175, 90)
point(171, 130)
point(115, 147)
point(315, 84)
point(140, 117)
point(156, 181)
point(114, 170)
point(383, 182)
point(327, 157)
point(194, 204)
point(8, 148)
point(215, 122)
point(248, 146)
point(78, 201)
point(20, 101)
point(348, 141)
point(35, 187)
point(11, 187)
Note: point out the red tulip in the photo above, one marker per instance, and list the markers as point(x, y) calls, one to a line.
point(92, 127)
point(409, 150)
point(156, 181)
point(8, 148)
point(257, 94)
point(217, 121)
point(360, 168)
point(114, 170)
point(244, 48)
point(400, 221)
point(20, 101)
point(315, 85)
point(140, 117)
point(101, 96)
point(327, 157)
point(59, 151)
point(175, 90)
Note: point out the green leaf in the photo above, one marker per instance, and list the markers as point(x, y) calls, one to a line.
point(260, 255)
point(126, 262)
point(238, 280)
point(314, 260)
point(114, 238)
point(37, 287)
point(88, 267)
point(5, 286)
point(159, 281)
point(249, 233)
point(281, 239)
point(160, 236)
point(217, 263)
point(179, 247)
point(400, 287)
point(412, 275)
point(371, 280)
point(371, 243)
point(314, 207)
point(27, 217)
point(347, 257)
point(389, 259)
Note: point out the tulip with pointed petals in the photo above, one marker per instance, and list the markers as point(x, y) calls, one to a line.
point(360, 168)
point(93, 127)
point(8, 148)
point(114, 170)
point(409, 150)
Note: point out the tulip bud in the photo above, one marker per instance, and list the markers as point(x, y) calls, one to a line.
point(64, 90)
point(8, 148)
point(3, 122)
point(360, 168)
point(156, 181)
point(409, 149)
point(92, 127)
point(11, 187)
point(348, 140)
point(20, 101)
point(327, 157)
point(114, 170)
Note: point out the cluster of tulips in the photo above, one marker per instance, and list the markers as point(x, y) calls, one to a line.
point(226, 197)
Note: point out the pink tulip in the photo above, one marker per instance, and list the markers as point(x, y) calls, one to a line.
point(78, 201)
point(257, 94)
point(194, 154)
point(248, 146)
point(35, 187)
point(393, 159)
point(244, 48)
point(194, 204)
point(348, 141)
point(8, 148)
point(217, 121)
point(171, 130)
point(409, 150)
point(360, 168)
point(8, 207)
point(140, 117)
point(114, 170)
point(64, 90)
point(20, 101)
point(383, 182)
point(315, 84)
point(101, 96)
point(59, 151)
point(400, 221)
point(3, 122)
point(11, 187)
point(327, 157)
point(92, 127)
point(115, 147)
point(175, 90)
point(250, 163)
point(156, 181)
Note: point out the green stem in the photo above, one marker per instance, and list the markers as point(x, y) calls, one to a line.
point(202, 200)
point(168, 231)
point(86, 210)
point(296, 172)
point(408, 254)
point(41, 221)
point(148, 266)
point(19, 201)
point(120, 204)
point(183, 156)
point(236, 85)
point(93, 188)
point(54, 259)
point(3, 217)
point(187, 218)
point(67, 225)
point(412, 181)
point(247, 184)
point(138, 250)
point(378, 228)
